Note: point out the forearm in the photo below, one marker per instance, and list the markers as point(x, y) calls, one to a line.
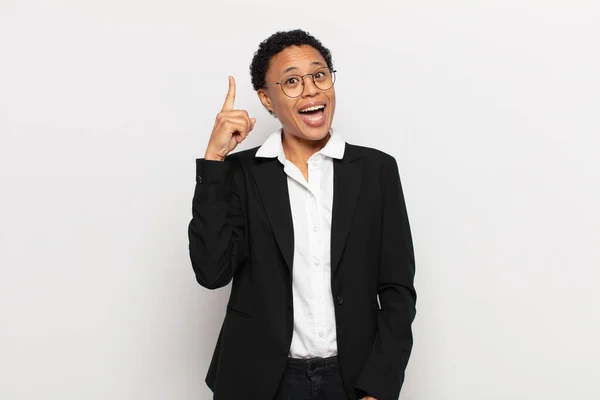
point(216, 231)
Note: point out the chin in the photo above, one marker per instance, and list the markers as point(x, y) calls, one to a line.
point(306, 132)
point(315, 133)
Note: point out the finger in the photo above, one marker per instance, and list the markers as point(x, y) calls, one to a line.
point(239, 134)
point(244, 122)
point(225, 115)
point(235, 113)
point(237, 126)
point(230, 99)
point(239, 138)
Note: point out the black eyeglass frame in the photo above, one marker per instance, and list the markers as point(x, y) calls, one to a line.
point(332, 71)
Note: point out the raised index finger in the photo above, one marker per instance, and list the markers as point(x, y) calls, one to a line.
point(230, 99)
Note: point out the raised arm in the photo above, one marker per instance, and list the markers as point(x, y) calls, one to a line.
point(216, 231)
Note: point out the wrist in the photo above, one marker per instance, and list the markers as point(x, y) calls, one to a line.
point(213, 157)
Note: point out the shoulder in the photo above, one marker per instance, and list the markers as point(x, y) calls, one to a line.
point(377, 163)
point(371, 155)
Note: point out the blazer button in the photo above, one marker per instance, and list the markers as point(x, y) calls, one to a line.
point(199, 178)
point(340, 300)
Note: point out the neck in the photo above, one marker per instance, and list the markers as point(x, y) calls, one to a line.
point(299, 150)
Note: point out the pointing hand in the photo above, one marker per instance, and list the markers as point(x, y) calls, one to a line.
point(230, 129)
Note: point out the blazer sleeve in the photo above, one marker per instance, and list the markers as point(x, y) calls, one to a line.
point(383, 374)
point(216, 231)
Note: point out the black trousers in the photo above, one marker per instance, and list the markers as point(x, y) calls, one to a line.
point(312, 379)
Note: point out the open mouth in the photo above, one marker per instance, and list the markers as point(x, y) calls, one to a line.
point(313, 115)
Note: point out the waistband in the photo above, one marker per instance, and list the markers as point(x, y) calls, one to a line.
point(312, 364)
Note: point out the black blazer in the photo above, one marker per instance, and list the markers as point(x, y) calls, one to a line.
point(242, 230)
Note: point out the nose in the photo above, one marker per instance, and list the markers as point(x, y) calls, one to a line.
point(310, 89)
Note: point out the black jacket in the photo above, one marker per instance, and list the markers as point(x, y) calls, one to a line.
point(242, 230)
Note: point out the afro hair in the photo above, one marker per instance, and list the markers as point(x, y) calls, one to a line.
point(275, 44)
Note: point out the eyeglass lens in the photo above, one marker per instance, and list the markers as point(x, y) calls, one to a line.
point(293, 85)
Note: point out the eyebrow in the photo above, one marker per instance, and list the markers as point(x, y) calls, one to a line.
point(293, 67)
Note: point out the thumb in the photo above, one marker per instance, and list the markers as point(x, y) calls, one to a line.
point(253, 121)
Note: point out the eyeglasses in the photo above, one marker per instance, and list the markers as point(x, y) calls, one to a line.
point(293, 85)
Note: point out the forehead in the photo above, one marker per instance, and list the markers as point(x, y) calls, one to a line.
point(304, 58)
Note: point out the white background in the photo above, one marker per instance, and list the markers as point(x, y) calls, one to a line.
point(490, 107)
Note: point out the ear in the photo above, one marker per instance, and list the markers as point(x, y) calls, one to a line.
point(265, 100)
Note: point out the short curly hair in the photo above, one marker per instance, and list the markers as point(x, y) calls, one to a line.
point(275, 44)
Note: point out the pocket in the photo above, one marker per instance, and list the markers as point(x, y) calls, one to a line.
point(235, 367)
point(239, 312)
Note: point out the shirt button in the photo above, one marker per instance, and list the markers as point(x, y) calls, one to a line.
point(321, 334)
point(317, 262)
point(316, 228)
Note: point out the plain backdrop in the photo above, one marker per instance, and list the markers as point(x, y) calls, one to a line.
point(490, 107)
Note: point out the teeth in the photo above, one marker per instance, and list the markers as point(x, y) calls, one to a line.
point(315, 119)
point(314, 108)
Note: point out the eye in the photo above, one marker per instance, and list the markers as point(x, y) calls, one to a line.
point(322, 75)
point(292, 81)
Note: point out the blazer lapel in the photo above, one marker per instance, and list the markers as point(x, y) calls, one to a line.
point(347, 178)
point(271, 181)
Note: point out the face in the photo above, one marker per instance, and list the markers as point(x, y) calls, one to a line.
point(309, 115)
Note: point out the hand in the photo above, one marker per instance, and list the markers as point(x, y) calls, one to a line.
point(231, 128)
